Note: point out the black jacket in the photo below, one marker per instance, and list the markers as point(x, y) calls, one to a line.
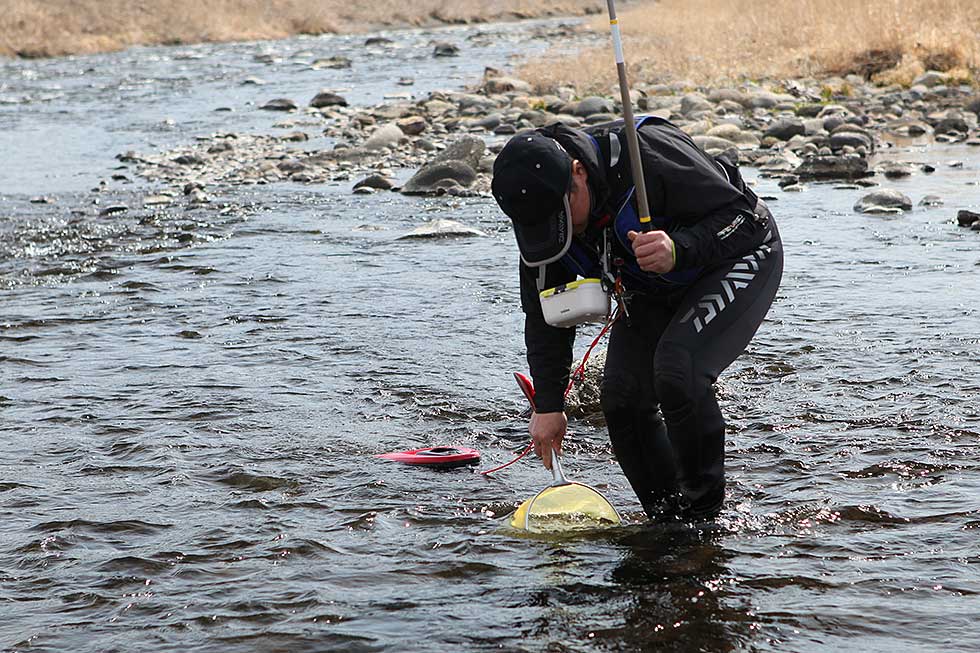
point(711, 212)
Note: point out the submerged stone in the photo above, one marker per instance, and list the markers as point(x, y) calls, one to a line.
point(442, 228)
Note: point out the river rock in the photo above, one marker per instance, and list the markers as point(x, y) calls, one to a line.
point(412, 125)
point(432, 177)
point(693, 103)
point(279, 104)
point(441, 228)
point(778, 164)
point(719, 95)
point(909, 127)
point(931, 200)
point(974, 105)
point(198, 197)
point(376, 181)
point(727, 131)
point(591, 105)
point(113, 209)
point(953, 124)
point(712, 143)
point(468, 149)
point(437, 107)
point(966, 218)
point(766, 100)
point(221, 146)
point(930, 79)
point(489, 123)
point(896, 170)
point(445, 49)
point(832, 167)
point(327, 99)
point(385, 136)
point(832, 122)
point(334, 63)
point(495, 85)
point(583, 398)
point(377, 40)
point(189, 160)
point(786, 128)
point(813, 126)
point(157, 200)
point(841, 139)
point(290, 166)
point(883, 201)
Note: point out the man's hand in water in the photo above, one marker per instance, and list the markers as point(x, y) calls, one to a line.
point(654, 251)
point(547, 432)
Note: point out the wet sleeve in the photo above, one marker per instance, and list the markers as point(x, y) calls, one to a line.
point(549, 349)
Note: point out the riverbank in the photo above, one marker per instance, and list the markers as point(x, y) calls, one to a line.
point(47, 28)
point(722, 41)
point(830, 129)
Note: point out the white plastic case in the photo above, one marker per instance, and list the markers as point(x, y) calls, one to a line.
point(576, 302)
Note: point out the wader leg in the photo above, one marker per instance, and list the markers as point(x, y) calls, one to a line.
point(713, 325)
point(636, 428)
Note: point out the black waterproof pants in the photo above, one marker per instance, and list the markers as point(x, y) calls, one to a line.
point(665, 425)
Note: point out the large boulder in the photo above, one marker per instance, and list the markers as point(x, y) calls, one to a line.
point(832, 167)
point(437, 177)
point(884, 200)
point(468, 149)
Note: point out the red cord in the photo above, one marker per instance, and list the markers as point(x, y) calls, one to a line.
point(526, 451)
point(575, 377)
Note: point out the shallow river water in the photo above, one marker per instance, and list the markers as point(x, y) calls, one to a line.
point(190, 402)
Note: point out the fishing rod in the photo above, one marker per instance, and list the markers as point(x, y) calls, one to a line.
point(632, 141)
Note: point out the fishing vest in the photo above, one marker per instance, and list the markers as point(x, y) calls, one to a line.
point(597, 261)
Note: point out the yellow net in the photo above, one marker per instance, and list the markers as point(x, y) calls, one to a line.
point(567, 507)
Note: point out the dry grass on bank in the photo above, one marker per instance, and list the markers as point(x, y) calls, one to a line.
point(56, 27)
point(726, 40)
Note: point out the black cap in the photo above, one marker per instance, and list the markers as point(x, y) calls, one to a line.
point(531, 179)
